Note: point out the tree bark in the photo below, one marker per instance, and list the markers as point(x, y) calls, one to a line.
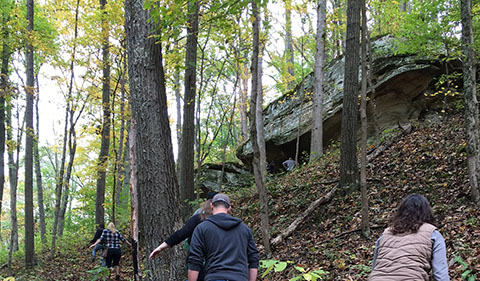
point(72, 147)
point(178, 99)
point(363, 116)
point(470, 100)
point(244, 105)
point(348, 146)
point(156, 179)
point(60, 180)
point(316, 147)
point(13, 180)
point(103, 156)
point(256, 129)
point(3, 92)
point(186, 157)
point(38, 172)
point(121, 157)
point(30, 92)
point(134, 211)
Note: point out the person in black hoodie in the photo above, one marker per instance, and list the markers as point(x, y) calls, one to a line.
point(223, 246)
point(100, 246)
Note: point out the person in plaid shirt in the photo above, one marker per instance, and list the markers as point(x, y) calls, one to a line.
point(111, 238)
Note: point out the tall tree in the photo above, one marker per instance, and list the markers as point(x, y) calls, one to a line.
point(186, 156)
point(256, 128)
point(348, 147)
point(30, 92)
point(13, 146)
point(470, 100)
point(103, 156)
point(316, 147)
point(38, 172)
point(156, 179)
point(363, 116)
point(4, 35)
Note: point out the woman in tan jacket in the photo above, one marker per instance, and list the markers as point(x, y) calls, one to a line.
point(411, 246)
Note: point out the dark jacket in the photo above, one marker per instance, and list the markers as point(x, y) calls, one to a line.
point(97, 236)
point(227, 246)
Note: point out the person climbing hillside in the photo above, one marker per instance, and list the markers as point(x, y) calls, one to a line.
point(99, 247)
point(411, 246)
point(289, 164)
point(186, 232)
point(112, 239)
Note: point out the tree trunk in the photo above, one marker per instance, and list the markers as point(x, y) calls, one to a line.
point(339, 41)
point(156, 179)
point(290, 73)
point(178, 99)
point(316, 147)
point(363, 116)
point(30, 92)
point(134, 211)
point(72, 147)
point(121, 157)
point(470, 100)
point(348, 146)
point(299, 130)
point(244, 105)
point(60, 179)
point(3, 92)
point(103, 156)
point(186, 157)
point(13, 179)
point(38, 172)
point(373, 96)
point(256, 129)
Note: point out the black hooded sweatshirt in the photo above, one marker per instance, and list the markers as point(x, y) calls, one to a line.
point(226, 245)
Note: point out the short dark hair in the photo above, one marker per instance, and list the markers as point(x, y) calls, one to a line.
point(412, 212)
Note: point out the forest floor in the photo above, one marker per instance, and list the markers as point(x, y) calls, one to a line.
point(431, 160)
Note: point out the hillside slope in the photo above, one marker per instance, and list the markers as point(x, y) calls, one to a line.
point(431, 161)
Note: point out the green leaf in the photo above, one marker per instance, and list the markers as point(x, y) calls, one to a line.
point(301, 269)
point(465, 274)
point(280, 266)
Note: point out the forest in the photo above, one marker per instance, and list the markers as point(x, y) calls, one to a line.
point(131, 111)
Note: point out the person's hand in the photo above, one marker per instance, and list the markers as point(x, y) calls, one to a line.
point(91, 246)
point(155, 253)
point(158, 250)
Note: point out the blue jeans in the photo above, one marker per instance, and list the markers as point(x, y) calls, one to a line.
point(99, 247)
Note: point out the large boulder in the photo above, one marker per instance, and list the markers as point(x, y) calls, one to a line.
point(400, 84)
point(235, 176)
